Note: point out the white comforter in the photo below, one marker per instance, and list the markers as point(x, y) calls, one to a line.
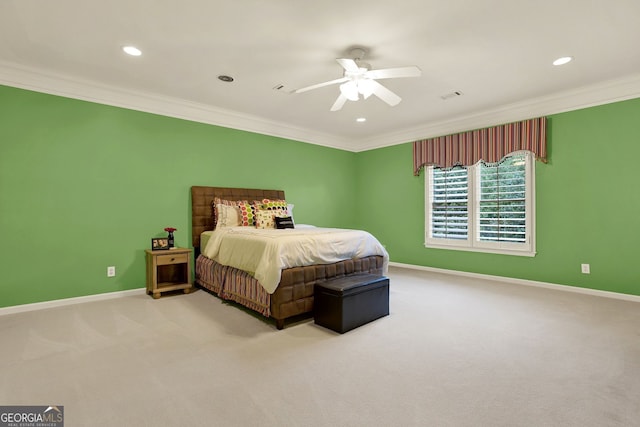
point(265, 253)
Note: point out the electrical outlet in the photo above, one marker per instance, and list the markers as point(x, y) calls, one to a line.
point(586, 269)
point(111, 271)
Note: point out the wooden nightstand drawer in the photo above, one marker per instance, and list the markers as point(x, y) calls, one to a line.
point(172, 259)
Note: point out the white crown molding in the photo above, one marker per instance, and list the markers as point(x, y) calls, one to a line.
point(606, 92)
point(587, 96)
point(545, 285)
point(70, 87)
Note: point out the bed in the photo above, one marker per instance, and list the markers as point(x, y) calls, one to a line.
point(293, 294)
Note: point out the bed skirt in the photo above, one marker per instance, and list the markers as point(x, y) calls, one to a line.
point(294, 295)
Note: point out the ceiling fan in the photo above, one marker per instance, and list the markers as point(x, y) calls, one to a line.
point(359, 79)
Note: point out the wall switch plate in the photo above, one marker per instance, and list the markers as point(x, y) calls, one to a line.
point(111, 271)
point(586, 269)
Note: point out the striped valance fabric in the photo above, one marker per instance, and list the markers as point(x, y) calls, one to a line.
point(490, 145)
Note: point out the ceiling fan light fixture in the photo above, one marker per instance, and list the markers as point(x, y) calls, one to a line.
point(349, 90)
point(359, 79)
point(365, 87)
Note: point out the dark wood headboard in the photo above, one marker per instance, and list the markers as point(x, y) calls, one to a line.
point(202, 205)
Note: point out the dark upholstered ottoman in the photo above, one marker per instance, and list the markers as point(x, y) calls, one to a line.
point(345, 303)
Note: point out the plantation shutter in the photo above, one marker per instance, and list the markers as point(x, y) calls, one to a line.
point(449, 200)
point(502, 201)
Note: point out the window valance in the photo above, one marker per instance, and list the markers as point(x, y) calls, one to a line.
point(489, 144)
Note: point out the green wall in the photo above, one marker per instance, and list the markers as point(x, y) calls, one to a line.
point(84, 186)
point(587, 205)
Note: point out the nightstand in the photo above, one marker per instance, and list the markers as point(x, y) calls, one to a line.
point(168, 270)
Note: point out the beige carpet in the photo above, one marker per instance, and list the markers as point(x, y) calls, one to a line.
point(453, 352)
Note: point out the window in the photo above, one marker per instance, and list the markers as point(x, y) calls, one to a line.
point(484, 207)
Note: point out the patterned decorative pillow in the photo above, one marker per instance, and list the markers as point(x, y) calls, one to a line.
point(265, 219)
point(245, 207)
point(269, 219)
point(228, 216)
point(218, 201)
point(247, 211)
point(270, 204)
point(277, 205)
point(284, 222)
point(272, 208)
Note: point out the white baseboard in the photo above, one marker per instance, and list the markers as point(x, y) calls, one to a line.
point(121, 294)
point(575, 289)
point(69, 301)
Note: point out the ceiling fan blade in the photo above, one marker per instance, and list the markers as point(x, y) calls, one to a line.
point(319, 85)
point(339, 103)
point(385, 94)
point(348, 65)
point(390, 73)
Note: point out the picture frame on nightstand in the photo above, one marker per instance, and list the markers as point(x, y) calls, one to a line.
point(159, 244)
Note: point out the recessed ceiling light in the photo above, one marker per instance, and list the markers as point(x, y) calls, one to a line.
point(361, 119)
point(224, 78)
point(563, 60)
point(132, 50)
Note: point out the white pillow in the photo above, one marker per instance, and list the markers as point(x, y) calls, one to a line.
point(228, 216)
point(290, 212)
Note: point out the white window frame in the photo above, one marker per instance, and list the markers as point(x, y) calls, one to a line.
point(473, 243)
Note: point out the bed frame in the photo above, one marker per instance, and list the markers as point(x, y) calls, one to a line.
point(294, 295)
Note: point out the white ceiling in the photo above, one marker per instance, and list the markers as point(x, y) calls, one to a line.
point(497, 53)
